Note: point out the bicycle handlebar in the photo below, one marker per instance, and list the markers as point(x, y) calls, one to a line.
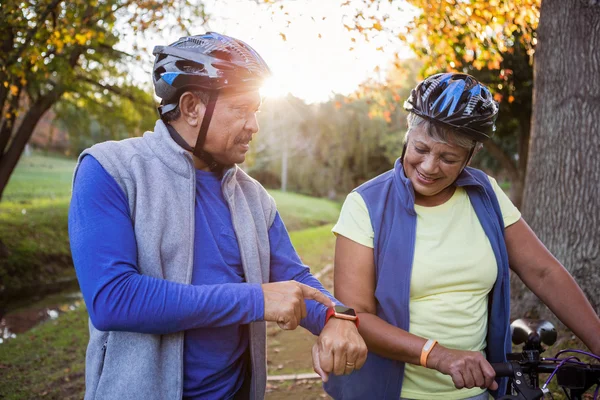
point(523, 369)
point(503, 370)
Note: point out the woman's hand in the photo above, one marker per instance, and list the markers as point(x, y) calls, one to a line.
point(468, 369)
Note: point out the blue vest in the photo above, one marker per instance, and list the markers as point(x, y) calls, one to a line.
point(390, 200)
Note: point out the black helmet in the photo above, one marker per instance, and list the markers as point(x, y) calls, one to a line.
point(209, 62)
point(205, 62)
point(455, 100)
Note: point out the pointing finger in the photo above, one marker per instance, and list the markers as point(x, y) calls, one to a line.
point(313, 294)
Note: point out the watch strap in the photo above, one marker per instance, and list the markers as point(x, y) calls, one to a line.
point(427, 347)
point(331, 313)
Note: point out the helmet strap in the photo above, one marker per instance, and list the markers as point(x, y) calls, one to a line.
point(471, 152)
point(213, 165)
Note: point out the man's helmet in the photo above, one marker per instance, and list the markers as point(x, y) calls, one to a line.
point(205, 62)
point(209, 62)
point(455, 100)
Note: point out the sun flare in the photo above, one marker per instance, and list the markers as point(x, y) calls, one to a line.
point(274, 87)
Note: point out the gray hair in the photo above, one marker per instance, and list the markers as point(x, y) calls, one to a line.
point(201, 94)
point(440, 133)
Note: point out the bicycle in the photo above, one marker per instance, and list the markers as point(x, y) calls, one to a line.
point(523, 369)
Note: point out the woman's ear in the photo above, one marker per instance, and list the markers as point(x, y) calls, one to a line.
point(476, 150)
point(192, 109)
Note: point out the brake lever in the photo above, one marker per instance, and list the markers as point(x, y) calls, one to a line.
point(525, 392)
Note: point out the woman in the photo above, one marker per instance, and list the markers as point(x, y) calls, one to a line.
point(423, 254)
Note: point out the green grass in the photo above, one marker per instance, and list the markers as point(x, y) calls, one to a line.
point(37, 241)
point(46, 362)
point(39, 177)
point(300, 211)
point(33, 224)
point(315, 246)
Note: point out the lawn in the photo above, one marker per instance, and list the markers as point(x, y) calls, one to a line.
point(33, 226)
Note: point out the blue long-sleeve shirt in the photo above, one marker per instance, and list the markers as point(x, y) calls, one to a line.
point(213, 311)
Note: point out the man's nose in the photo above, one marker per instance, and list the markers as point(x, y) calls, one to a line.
point(252, 124)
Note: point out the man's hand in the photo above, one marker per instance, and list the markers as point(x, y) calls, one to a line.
point(284, 302)
point(339, 349)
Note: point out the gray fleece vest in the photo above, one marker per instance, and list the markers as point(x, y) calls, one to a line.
point(158, 178)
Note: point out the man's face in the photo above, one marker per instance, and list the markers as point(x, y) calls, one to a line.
point(232, 126)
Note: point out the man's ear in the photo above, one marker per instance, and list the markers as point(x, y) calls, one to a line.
point(192, 109)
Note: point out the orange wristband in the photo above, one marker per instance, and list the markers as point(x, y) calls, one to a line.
point(426, 350)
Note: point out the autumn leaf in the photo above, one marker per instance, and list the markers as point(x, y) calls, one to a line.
point(387, 116)
point(283, 36)
point(14, 90)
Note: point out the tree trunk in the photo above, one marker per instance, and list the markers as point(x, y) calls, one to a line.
point(11, 157)
point(562, 194)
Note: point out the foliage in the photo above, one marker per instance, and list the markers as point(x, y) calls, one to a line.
point(90, 121)
point(50, 48)
point(471, 33)
point(333, 147)
point(494, 41)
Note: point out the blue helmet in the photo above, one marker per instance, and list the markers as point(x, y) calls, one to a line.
point(208, 62)
point(458, 101)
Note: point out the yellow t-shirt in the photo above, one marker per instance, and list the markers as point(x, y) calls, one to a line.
point(453, 271)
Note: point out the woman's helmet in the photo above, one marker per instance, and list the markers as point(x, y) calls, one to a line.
point(458, 101)
point(209, 62)
point(205, 62)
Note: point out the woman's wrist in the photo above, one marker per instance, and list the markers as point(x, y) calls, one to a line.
point(435, 356)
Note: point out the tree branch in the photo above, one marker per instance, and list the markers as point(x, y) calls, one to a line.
point(8, 123)
point(114, 89)
point(30, 33)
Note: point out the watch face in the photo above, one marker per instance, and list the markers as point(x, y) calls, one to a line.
point(345, 310)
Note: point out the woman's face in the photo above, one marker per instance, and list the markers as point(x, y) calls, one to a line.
point(432, 167)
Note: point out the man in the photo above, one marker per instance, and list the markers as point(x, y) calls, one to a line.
point(181, 256)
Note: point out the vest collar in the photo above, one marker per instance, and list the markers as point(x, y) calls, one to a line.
point(173, 155)
point(406, 191)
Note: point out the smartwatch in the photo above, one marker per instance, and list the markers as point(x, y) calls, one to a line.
point(342, 312)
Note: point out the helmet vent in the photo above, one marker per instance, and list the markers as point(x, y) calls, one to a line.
point(189, 66)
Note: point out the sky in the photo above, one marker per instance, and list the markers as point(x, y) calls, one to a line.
point(310, 67)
